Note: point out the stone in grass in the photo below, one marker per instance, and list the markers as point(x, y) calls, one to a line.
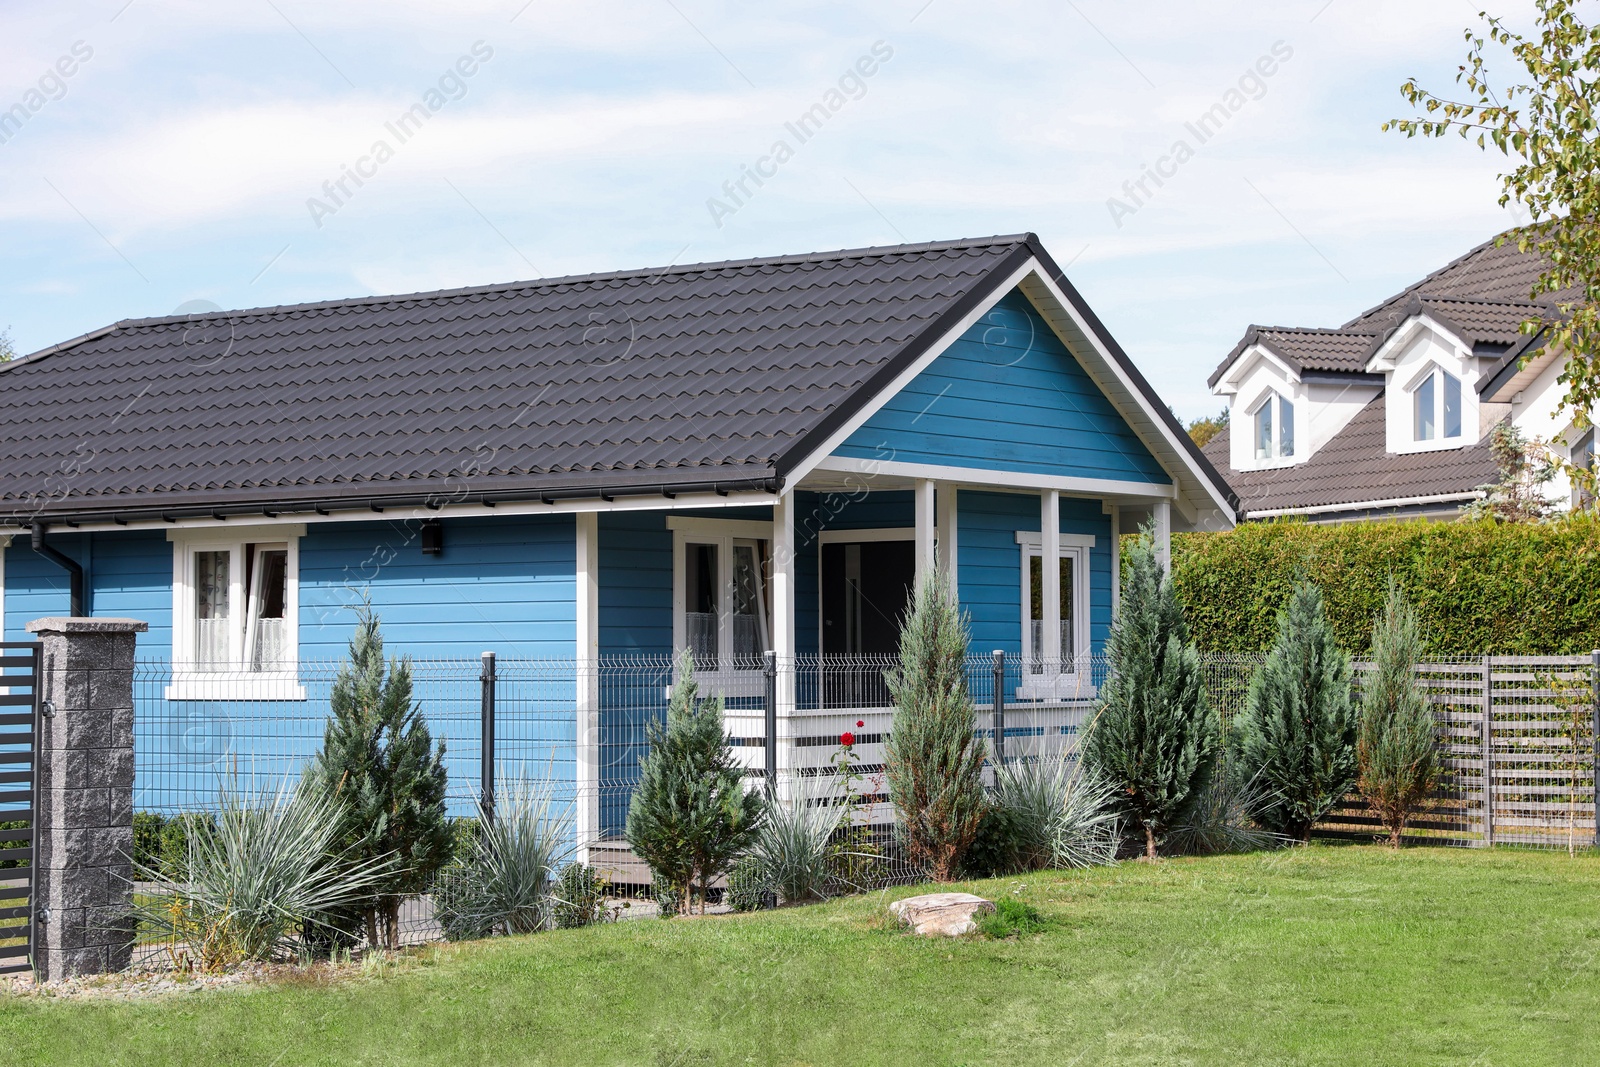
point(941, 914)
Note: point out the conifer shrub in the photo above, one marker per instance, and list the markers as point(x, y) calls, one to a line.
point(690, 815)
point(384, 772)
point(933, 758)
point(1296, 740)
point(1153, 738)
point(1397, 755)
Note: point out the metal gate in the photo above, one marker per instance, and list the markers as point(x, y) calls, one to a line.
point(19, 723)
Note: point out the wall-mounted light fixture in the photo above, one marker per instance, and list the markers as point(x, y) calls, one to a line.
point(432, 537)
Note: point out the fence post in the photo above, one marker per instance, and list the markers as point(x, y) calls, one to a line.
point(1488, 753)
point(769, 669)
point(999, 722)
point(486, 714)
point(83, 829)
point(1594, 786)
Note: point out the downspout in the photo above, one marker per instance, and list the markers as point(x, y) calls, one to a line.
point(67, 563)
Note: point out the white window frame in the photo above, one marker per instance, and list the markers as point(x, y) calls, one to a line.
point(725, 678)
point(1435, 373)
point(188, 681)
point(1073, 680)
point(1278, 402)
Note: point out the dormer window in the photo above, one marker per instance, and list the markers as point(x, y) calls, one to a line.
point(1274, 428)
point(1436, 406)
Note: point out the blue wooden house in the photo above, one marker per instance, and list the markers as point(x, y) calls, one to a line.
point(724, 458)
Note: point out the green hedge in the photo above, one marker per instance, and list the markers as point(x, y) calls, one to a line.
point(1479, 587)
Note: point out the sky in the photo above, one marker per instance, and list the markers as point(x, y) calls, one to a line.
point(192, 151)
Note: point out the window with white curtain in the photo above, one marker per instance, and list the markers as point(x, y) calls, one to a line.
point(234, 606)
point(721, 598)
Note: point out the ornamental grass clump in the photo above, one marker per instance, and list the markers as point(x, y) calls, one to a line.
point(933, 758)
point(259, 877)
point(506, 883)
point(1153, 738)
point(1296, 741)
point(1058, 816)
point(1395, 748)
point(794, 846)
point(1223, 818)
point(690, 815)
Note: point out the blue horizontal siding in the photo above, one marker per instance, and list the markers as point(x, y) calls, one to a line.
point(1007, 396)
point(989, 574)
point(126, 574)
point(502, 585)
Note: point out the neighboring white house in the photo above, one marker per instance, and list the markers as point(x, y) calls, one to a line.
point(1390, 414)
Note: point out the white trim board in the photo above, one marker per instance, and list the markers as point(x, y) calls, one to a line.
point(643, 502)
point(755, 529)
point(978, 478)
point(1035, 539)
point(896, 533)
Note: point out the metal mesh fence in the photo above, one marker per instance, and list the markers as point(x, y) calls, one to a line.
point(1516, 734)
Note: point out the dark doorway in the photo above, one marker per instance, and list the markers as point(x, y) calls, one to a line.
point(866, 588)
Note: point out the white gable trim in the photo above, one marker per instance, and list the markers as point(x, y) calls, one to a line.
point(1139, 410)
point(1228, 384)
point(1382, 360)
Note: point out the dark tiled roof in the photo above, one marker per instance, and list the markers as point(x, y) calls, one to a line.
point(1304, 349)
point(1355, 467)
point(1484, 293)
point(1483, 322)
point(683, 376)
point(1489, 272)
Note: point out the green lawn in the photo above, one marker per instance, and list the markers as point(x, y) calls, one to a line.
point(1328, 955)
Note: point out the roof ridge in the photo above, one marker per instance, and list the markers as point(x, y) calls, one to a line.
point(1415, 287)
point(1340, 330)
point(669, 270)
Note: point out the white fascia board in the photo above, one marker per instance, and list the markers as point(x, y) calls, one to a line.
point(980, 478)
point(825, 450)
point(1228, 384)
point(1033, 539)
point(1105, 362)
point(1382, 360)
point(1367, 505)
point(693, 525)
point(643, 502)
point(239, 531)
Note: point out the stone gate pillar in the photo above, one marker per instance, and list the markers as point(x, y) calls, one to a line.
point(84, 830)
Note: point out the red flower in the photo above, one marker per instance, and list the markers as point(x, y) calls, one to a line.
point(860, 724)
point(847, 739)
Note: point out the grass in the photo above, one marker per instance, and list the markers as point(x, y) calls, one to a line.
point(1327, 955)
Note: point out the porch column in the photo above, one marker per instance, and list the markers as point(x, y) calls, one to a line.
point(925, 526)
point(1163, 545)
point(1116, 559)
point(1050, 580)
point(783, 631)
point(587, 670)
point(946, 522)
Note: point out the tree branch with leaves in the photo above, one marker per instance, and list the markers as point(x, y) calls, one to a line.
point(1547, 123)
